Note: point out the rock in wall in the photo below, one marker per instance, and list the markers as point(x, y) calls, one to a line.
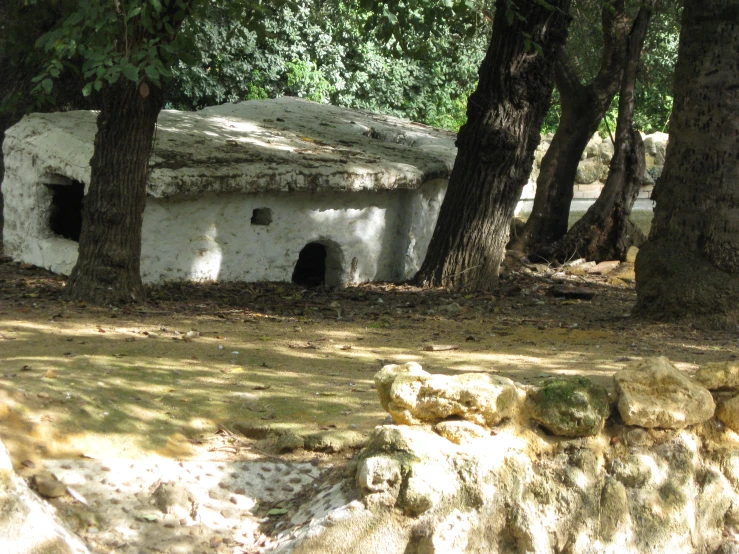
point(454, 483)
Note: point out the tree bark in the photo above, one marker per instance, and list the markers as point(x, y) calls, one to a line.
point(495, 148)
point(606, 232)
point(107, 269)
point(583, 108)
point(689, 268)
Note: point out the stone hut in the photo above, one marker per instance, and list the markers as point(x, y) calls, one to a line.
point(274, 190)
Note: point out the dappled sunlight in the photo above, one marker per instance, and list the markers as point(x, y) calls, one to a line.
point(206, 265)
point(147, 386)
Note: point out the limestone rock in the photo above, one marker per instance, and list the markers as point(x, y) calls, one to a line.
point(654, 393)
point(385, 377)
point(728, 413)
point(425, 487)
point(614, 511)
point(378, 474)
point(29, 525)
point(47, 485)
point(588, 171)
point(655, 148)
point(460, 431)
point(719, 375)
point(605, 150)
point(174, 499)
point(592, 149)
point(631, 254)
point(416, 397)
point(571, 407)
point(403, 438)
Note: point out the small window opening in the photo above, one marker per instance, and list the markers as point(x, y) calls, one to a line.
point(65, 218)
point(261, 216)
point(310, 271)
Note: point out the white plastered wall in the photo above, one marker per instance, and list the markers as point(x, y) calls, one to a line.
point(369, 236)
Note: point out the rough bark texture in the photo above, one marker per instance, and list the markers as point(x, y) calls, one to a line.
point(107, 269)
point(583, 107)
point(690, 266)
point(605, 232)
point(496, 148)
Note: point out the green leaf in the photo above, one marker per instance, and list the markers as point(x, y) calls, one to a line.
point(277, 511)
point(130, 72)
point(98, 85)
point(87, 89)
point(151, 72)
point(47, 85)
point(133, 13)
point(157, 5)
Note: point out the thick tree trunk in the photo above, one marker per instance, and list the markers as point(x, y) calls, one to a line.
point(605, 232)
point(583, 107)
point(107, 269)
point(689, 268)
point(496, 148)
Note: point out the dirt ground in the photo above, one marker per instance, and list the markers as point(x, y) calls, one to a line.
point(173, 378)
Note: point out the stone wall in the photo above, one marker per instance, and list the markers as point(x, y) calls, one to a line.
point(592, 171)
point(477, 463)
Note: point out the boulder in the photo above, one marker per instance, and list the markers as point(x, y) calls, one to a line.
point(655, 147)
point(606, 151)
point(588, 171)
point(654, 393)
point(719, 375)
point(385, 377)
point(592, 149)
point(378, 474)
point(415, 396)
point(728, 413)
point(631, 254)
point(28, 525)
point(427, 484)
point(173, 498)
point(570, 406)
point(460, 431)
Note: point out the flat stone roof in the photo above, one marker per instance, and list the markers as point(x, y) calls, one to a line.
point(281, 145)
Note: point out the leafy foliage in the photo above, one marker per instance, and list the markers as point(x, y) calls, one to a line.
point(136, 40)
point(350, 53)
point(654, 84)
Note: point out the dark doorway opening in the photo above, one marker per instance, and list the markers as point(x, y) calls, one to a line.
point(310, 271)
point(65, 218)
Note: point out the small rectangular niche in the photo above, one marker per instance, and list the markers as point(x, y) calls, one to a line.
point(261, 216)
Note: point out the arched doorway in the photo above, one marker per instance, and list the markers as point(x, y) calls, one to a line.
point(310, 271)
point(319, 263)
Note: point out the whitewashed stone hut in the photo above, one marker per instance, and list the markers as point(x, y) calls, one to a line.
point(274, 190)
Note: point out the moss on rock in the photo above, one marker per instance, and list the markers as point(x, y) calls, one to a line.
point(571, 407)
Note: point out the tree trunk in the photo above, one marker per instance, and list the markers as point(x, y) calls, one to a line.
point(583, 107)
point(107, 269)
point(606, 232)
point(689, 268)
point(495, 148)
